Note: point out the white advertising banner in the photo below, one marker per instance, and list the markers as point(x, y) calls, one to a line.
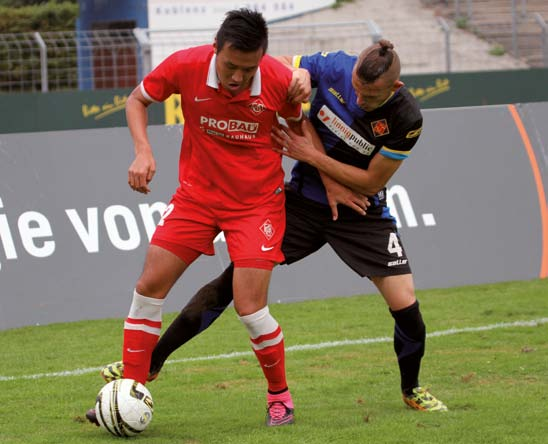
point(181, 14)
point(179, 24)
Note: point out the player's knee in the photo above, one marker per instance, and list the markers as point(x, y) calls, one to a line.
point(409, 321)
point(151, 289)
point(246, 309)
point(259, 322)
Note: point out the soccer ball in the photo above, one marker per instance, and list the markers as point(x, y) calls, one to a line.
point(124, 407)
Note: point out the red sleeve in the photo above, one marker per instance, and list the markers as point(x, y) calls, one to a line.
point(291, 111)
point(162, 81)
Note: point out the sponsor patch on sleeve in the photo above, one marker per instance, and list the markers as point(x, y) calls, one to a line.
point(413, 134)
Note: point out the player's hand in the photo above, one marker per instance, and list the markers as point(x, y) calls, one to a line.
point(290, 144)
point(341, 194)
point(300, 88)
point(140, 173)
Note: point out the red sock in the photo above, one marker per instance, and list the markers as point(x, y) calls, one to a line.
point(267, 341)
point(138, 346)
point(141, 332)
point(272, 360)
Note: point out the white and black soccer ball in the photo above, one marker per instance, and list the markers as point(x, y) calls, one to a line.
point(124, 407)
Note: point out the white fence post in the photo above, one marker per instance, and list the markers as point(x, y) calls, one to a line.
point(447, 31)
point(43, 61)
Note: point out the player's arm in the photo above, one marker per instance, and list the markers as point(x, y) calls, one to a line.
point(143, 167)
point(304, 148)
point(336, 192)
point(300, 88)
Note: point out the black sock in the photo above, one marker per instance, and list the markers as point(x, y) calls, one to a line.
point(409, 344)
point(197, 315)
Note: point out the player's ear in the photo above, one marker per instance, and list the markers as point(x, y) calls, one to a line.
point(215, 45)
point(397, 84)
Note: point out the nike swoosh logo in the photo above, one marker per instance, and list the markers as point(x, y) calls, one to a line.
point(263, 248)
point(271, 365)
point(130, 350)
point(197, 99)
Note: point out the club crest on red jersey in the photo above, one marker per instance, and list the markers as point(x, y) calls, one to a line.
point(267, 229)
point(380, 128)
point(257, 107)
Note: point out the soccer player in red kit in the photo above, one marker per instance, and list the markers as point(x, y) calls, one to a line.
point(230, 180)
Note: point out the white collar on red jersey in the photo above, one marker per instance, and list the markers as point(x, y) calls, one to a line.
point(213, 80)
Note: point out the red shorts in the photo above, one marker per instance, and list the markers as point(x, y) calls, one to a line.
point(252, 234)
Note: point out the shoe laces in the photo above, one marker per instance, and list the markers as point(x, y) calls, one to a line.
point(423, 398)
point(277, 410)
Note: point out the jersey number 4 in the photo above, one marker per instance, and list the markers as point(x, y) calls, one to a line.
point(394, 245)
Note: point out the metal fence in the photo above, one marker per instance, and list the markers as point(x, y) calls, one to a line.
point(68, 60)
point(467, 8)
point(517, 27)
point(283, 39)
point(525, 40)
point(105, 59)
point(90, 60)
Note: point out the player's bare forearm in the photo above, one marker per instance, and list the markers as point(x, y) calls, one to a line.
point(337, 192)
point(303, 144)
point(143, 167)
point(308, 148)
point(137, 119)
point(367, 182)
point(300, 88)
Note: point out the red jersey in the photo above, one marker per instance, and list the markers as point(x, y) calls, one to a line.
point(226, 158)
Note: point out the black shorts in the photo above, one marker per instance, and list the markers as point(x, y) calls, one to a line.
point(370, 245)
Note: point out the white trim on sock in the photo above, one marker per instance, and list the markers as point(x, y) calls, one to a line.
point(259, 323)
point(143, 307)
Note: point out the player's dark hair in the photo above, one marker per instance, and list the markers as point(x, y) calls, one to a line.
point(244, 29)
point(377, 60)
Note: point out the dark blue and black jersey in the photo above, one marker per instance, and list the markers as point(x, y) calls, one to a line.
point(350, 134)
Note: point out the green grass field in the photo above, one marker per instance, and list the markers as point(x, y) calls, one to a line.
point(486, 358)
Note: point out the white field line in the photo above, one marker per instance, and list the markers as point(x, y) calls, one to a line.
point(331, 344)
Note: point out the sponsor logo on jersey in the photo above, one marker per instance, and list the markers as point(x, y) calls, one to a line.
point(267, 229)
point(257, 107)
point(337, 94)
point(413, 134)
point(380, 128)
point(231, 125)
point(338, 127)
